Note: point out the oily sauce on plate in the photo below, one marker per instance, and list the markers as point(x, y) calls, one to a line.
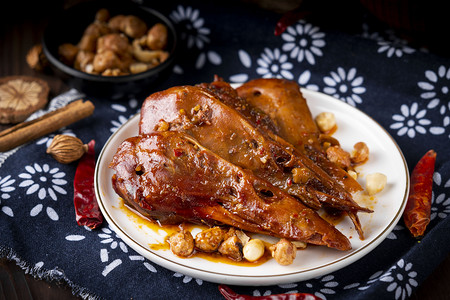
point(142, 221)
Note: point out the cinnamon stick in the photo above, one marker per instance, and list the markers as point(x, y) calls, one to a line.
point(28, 131)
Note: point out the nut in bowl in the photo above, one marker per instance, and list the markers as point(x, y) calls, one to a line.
point(110, 49)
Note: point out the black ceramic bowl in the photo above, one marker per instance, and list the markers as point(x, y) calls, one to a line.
point(68, 27)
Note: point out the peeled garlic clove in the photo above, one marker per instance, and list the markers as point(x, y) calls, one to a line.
point(253, 250)
point(325, 121)
point(375, 183)
point(66, 149)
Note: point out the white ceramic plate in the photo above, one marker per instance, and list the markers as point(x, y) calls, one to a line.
point(388, 206)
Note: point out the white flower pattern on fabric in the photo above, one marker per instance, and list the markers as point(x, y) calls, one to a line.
point(192, 26)
point(257, 293)
point(109, 237)
point(436, 90)
point(303, 41)
point(132, 103)
point(44, 181)
point(5, 188)
point(54, 104)
point(394, 46)
point(401, 280)
point(274, 64)
point(366, 33)
point(373, 278)
point(47, 140)
point(410, 121)
point(303, 81)
point(392, 235)
point(194, 34)
point(284, 286)
point(437, 87)
point(440, 204)
point(187, 279)
point(345, 86)
point(211, 56)
point(4, 155)
point(117, 123)
point(323, 287)
point(246, 61)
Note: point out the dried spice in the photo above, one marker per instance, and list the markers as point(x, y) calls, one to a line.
point(229, 294)
point(418, 207)
point(20, 96)
point(66, 149)
point(85, 202)
point(30, 130)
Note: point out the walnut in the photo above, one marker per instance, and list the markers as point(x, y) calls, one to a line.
point(114, 72)
point(360, 153)
point(134, 27)
point(131, 25)
point(182, 243)
point(284, 252)
point(148, 56)
point(115, 46)
point(115, 23)
point(97, 29)
point(88, 42)
point(102, 15)
point(106, 60)
point(339, 156)
point(118, 43)
point(138, 67)
point(67, 53)
point(157, 37)
point(83, 60)
point(209, 240)
point(36, 58)
point(232, 248)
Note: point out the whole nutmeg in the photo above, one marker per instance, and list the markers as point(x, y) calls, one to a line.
point(66, 149)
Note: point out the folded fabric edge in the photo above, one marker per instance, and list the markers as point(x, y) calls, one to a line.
point(53, 275)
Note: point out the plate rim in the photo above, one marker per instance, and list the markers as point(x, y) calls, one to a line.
point(218, 277)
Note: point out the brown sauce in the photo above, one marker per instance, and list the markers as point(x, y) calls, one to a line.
point(333, 219)
point(216, 257)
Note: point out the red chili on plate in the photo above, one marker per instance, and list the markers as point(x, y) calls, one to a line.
point(418, 207)
point(86, 206)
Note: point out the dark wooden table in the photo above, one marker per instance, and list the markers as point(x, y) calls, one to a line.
point(19, 31)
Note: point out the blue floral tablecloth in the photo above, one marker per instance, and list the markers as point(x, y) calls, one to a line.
point(404, 88)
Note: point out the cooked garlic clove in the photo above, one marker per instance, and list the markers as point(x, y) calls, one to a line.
point(375, 183)
point(325, 121)
point(253, 250)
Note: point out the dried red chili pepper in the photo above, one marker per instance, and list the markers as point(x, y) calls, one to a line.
point(418, 206)
point(229, 294)
point(86, 206)
point(288, 19)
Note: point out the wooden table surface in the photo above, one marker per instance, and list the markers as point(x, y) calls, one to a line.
point(18, 33)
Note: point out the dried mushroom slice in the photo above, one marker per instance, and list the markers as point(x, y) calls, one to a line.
point(20, 96)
